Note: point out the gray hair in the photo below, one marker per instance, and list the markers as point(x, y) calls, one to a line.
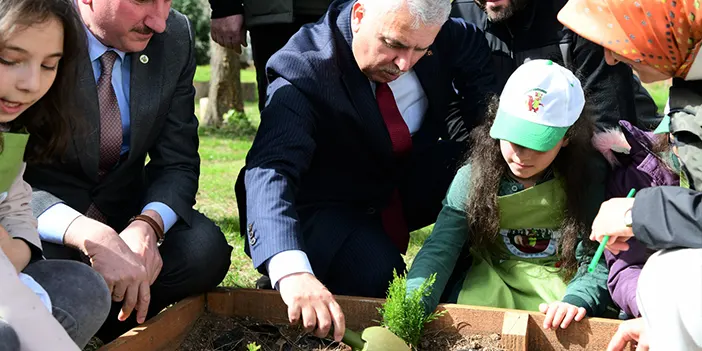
point(424, 12)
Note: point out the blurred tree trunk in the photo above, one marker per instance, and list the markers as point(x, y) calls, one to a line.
point(225, 85)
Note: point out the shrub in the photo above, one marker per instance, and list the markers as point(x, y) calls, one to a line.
point(198, 13)
point(239, 124)
point(403, 314)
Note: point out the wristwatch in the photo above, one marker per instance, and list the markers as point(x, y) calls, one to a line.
point(627, 218)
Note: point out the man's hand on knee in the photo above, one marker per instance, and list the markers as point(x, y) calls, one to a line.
point(308, 297)
point(123, 271)
point(142, 240)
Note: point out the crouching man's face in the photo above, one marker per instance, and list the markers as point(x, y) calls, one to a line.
point(387, 44)
point(126, 25)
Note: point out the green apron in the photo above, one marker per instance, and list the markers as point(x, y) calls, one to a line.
point(524, 273)
point(11, 159)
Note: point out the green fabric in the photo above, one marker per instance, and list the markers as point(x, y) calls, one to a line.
point(526, 133)
point(589, 290)
point(523, 274)
point(11, 158)
point(664, 126)
point(442, 249)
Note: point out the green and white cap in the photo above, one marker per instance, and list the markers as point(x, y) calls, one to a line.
point(540, 101)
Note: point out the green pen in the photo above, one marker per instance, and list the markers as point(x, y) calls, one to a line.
point(601, 248)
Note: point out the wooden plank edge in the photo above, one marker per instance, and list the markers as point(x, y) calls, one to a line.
point(590, 334)
point(268, 306)
point(159, 332)
point(514, 331)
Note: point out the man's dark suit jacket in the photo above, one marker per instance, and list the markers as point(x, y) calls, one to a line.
point(322, 141)
point(162, 125)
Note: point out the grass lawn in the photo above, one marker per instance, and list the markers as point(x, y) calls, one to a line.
point(203, 73)
point(222, 158)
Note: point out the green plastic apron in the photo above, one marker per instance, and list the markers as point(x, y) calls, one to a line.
point(524, 274)
point(11, 159)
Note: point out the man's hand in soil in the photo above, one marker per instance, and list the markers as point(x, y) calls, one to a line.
point(631, 331)
point(307, 297)
point(123, 271)
point(561, 314)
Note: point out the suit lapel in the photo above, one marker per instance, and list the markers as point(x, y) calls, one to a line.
point(144, 91)
point(358, 89)
point(87, 130)
point(426, 69)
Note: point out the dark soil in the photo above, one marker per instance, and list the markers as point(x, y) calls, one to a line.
point(213, 332)
point(456, 342)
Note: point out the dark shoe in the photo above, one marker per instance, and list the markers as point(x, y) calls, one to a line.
point(264, 283)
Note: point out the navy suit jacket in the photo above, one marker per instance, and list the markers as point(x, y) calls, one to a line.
point(322, 140)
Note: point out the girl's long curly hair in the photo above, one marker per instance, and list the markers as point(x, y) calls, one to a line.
point(488, 169)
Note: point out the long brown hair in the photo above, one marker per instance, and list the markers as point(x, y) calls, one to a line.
point(488, 169)
point(47, 121)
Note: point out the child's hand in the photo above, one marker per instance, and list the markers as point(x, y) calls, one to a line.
point(561, 313)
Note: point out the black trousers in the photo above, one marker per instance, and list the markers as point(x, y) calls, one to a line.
point(265, 41)
point(195, 260)
point(348, 249)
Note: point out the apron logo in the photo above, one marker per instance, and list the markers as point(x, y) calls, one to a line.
point(530, 243)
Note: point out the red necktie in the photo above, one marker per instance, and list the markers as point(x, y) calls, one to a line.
point(110, 120)
point(393, 217)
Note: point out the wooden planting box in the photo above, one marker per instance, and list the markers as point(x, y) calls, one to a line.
point(518, 330)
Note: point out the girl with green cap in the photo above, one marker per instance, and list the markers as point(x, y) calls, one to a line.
point(517, 208)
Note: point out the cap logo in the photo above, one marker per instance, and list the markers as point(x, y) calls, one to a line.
point(534, 97)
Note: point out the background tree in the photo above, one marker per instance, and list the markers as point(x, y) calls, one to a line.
point(225, 86)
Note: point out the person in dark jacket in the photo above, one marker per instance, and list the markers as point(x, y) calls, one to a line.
point(660, 40)
point(271, 23)
point(521, 30)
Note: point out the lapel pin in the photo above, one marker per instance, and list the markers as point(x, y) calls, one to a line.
point(144, 59)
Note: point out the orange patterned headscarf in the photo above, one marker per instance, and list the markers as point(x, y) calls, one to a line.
point(665, 34)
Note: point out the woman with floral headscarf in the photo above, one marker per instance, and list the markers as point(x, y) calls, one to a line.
point(659, 39)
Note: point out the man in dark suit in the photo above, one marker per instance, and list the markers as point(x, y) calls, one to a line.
point(357, 146)
point(134, 223)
